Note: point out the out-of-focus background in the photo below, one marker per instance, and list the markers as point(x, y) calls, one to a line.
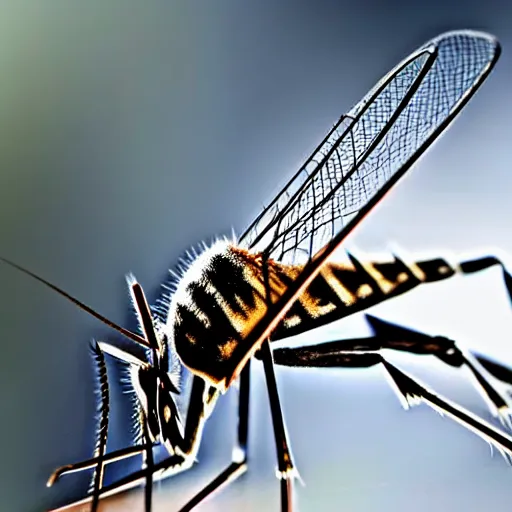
point(130, 131)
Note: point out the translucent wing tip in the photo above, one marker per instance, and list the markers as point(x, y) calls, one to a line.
point(472, 34)
point(485, 49)
point(487, 45)
point(372, 146)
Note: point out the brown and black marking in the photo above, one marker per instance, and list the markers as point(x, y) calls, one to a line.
point(229, 297)
point(341, 289)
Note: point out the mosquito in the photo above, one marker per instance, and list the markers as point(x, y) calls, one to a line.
point(226, 303)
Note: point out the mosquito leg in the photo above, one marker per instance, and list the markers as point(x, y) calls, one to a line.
point(476, 265)
point(182, 447)
point(333, 354)
point(243, 412)
point(102, 429)
point(101, 459)
point(147, 464)
point(147, 325)
point(397, 337)
point(170, 465)
point(497, 370)
point(90, 463)
point(285, 467)
point(393, 337)
point(498, 403)
point(409, 391)
point(201, 402)
point(156, 471)
point(238, 465)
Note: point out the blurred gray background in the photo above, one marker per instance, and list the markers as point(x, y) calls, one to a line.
point(130, 131)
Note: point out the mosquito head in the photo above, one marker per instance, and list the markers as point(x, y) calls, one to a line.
point(153, 390)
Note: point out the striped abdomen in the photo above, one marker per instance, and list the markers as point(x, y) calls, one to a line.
point(341, 289)
point(224, 294)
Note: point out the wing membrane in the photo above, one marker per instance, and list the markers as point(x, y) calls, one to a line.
point(372, 146)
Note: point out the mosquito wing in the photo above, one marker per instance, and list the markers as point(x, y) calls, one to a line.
point(372, 146)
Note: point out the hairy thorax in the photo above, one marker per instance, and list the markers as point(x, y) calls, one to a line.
point(219, 299)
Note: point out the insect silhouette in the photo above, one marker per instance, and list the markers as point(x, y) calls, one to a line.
point(226, 303)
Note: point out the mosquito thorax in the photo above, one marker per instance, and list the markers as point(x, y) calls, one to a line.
point(217, 302)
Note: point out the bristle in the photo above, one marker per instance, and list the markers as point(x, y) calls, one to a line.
point(175, 370)
point(163, 303)
point(136, 426)
point(103, 413)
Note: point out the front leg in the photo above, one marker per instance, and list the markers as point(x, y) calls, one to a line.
point(182, 460)
point(157, 410)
